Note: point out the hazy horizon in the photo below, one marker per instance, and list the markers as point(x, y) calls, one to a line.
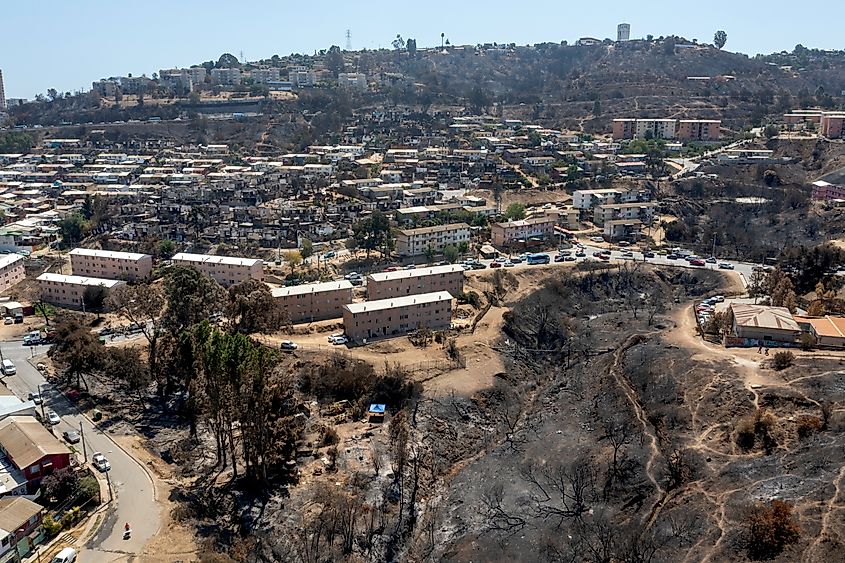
point(39, 52)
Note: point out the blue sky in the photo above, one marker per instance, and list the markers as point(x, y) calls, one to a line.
point(67, 44)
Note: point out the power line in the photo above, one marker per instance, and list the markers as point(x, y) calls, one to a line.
point(348, 40)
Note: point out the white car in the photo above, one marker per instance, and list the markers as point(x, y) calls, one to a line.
point(53, 418)
point(34, 397)
point(99, 461)
point(338, 339)
point(288, 345)
point(8, 321)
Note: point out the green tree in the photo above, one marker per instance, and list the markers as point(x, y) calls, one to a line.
point(166, 249)
point(373, 233)
point(306, 248)
point(597, 108)
point(76, 351)
point(450, 252)
point(251, 308)
point(720, 38)
point(73, 229)
point(411, 47)
point(430, 254)
point(334, 60)
point(94, 299)
point(16, 142)
point(191, 298)
point(143, 304)
point(228, 60)
point(515, 211)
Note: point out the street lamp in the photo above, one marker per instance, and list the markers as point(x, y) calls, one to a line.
point(40, 396)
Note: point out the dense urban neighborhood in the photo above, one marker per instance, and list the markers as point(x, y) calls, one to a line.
point(494, 302)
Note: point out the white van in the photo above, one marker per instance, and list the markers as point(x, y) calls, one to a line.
point(9, 367)
point(66, 555)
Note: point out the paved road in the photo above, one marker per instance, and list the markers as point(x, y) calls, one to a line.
point(133, 491)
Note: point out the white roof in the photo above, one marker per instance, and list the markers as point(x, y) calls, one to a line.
point(233, 260)
point(397, 302)
point(310, 288)
point(418, 273)
point(108, 254)
point(78, 280)
point(9, 259)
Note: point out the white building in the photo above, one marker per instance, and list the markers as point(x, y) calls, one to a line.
point(226, 76)
point(264, 75)
point(659, 128)
point(352, 80)
point(302, 77)
point(623, 32)
point(226, 270)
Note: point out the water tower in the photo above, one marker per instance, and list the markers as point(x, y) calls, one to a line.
point(623, 32)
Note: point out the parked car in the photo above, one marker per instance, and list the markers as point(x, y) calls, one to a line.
point(71, 436)
point(66, 555)
point(52, 418)
point(509, 264)
point(496, 265)
point(672, 256)
point(726, 266)
point(288, 345)
point(697, 262)
point(628, 254)
point(561, 257)
point(580, 254)
point(648, 254)
point(711, 260)
point(356, 282)
point(515, 260)
point(410, 267)
point(479, 266)
point(100, 462)
point(34, 397)
point(8, 321)
point(352, 276)
point(338, 339)
point(597, 239)
point(8, 367)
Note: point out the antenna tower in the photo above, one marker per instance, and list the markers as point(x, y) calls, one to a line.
point(348, 40)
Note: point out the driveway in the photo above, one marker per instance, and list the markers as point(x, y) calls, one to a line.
point(133, 491)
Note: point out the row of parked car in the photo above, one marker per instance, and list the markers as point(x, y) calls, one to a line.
point(707, 308)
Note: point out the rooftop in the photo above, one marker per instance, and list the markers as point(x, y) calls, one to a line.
point(825, 326)
point(16, 512)
point(231, 260)
point(310, 288)
point(395, 303)
point(26, 441)
point(9, 259)
point(435, 229)
point(417, 273)
point(78, 280)
point(762, 316)
point(107, 254)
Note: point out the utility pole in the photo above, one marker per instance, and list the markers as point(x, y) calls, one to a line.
point(40, 396)
point(84, 449)
point(108, 482)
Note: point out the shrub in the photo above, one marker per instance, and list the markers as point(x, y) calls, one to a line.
point(770, 529)
point(807, 342)
point(329, 436)
point(88, 489)
point(783, 360)
point(808, 425)
point(470, 297)
point(51, 527)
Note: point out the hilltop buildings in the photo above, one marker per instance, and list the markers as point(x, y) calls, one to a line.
point(684, 130)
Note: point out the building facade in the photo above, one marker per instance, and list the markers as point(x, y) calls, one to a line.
point(825, 191)
point(129, 266)
point(623, 32)
point(624, 128)
point(11, 271)
point(832, 125)
point(504, 234)
point(699, 130)
point(655, 129)
point(31, 449)
point(2, 93)
point(393, 317)
point(384, 285)
point(226, 76)
point(313, 301)
point(225, 270)
point(69, 291)
point(416, 242)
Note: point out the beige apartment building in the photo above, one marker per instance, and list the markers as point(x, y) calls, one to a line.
point(11, 271)
point(225, 270)
point(415, 242)
point(314, 301)
point(384, 285)
point(129, 266)
point(68, 291)
point(393, 317)
point(505, 234)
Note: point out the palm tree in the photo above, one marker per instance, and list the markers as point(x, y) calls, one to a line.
point(442, 36)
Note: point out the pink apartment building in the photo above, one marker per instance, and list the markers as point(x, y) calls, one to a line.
point(698, 130)
point(832, 125)
point(107, 264)
point(68, 291)
point(396, 316)
point(504, 234)
point(400, 283)
point(825, 191)
point(314, 301)
point(624, 128)
point(226, 270)
point(11, 271)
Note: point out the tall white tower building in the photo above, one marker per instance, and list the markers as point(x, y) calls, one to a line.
point(623, 32)
point(2, 93)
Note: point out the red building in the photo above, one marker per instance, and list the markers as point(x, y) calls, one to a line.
point(31, 449)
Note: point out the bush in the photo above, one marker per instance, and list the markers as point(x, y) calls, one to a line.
point(770, 529)
point(88, 489)
point(329, 436)
point(809, 425)
point(471, 298)
point(51, 527)
point(783, 360)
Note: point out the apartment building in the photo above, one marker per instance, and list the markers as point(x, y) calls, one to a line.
point(655, 129)
point(624, 128)
point(226, 76)
point(588, 199)
point(698, 130)
point(302, 77)
point(2, 93)
point(265, 75)
point(832, 125)
point(11, 271)
point(352, 80)
point(313, 301)
point(399, 315)
point(415, 242)
point(225, 270)
point(68, 291)
point(504, 234)
point(642, 211)
point(825, 191)
point(128, 266)
point(400, 283)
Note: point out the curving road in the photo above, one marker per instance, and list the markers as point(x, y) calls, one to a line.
point(134, 498)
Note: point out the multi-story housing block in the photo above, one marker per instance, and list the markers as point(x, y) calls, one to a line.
point(832, 125)
point(313, 301)
point(11, 271)
point(699, 130)
point(400, 283)
point(129, 266)
point(416, 242)
point(226, 76)
point(225, 270)
point(510, 232)
point(396, 316)
point(69, 291)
